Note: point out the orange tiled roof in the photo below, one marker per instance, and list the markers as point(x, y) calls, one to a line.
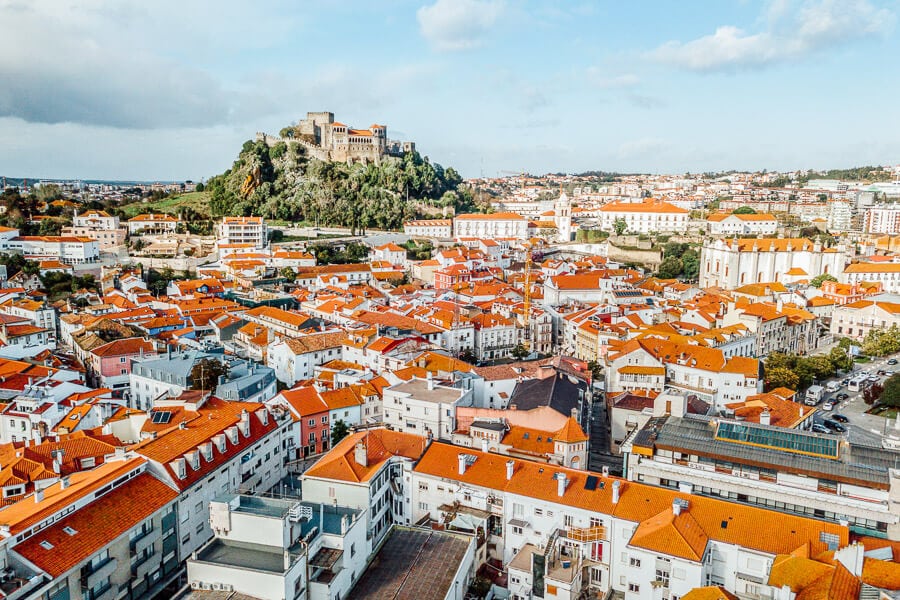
point(638, 502)
point(22, 515)
point(668, 533)
point(649, 205)
point(381, 444)
point(130, 503)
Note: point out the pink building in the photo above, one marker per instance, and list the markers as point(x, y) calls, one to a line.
point(311, 422)
point(110, 364)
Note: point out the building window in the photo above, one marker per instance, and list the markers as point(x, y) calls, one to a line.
point(633, 587)
point(635, 562)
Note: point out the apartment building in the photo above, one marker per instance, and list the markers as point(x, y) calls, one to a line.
point(208, 447)
point(648, 216)
point(495, 225)
point(424, 407)
point(369, 471)
point(495, 336)
point(740, 224)
point(887, 274)
point(243, 230)
point(430, 228)
point(295, 358)
point(152, 223)
point(787, 470)
point(71, 250)
point(81, 552)
point(882, 218)
point(653, 364)
point(856, 319)
point(561, 532)
point(97, 224)
point(272, 549)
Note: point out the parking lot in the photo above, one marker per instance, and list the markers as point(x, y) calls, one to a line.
point(862, 428)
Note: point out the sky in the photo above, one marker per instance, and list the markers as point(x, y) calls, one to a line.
point(170, 89)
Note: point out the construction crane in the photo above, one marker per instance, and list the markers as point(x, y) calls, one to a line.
point(526, 312)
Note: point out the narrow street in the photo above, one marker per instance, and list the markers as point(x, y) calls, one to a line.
point(599, 455)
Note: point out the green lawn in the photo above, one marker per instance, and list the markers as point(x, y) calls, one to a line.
point(888, 412)
point(199, 201)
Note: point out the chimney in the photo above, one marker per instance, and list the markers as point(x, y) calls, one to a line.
point(38, 496)
point(615, 496)
point(605, 471)
point(574, 413)
point(765, 417)
point(430, 380)
point(64, 482)
point(510, 467)
point(560, 484)
point(461, 460)
point(484, 444)
point(676, 507)
point(360, 455)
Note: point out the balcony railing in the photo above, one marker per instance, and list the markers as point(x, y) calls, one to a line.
point(585, 534)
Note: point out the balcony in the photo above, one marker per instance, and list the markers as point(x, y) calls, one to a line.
point(585, 534)
point(90, 577)
point(139, 543)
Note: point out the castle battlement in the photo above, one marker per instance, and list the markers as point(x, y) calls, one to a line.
point(329, 140)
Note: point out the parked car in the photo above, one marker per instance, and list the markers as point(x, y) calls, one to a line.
point(817, 428)
point(834, 426)
point(892, 361)
point(842, 396)
point(840, 418)
point(873, 378)
point(882, 372)
point(845, 381)
point(828, 406)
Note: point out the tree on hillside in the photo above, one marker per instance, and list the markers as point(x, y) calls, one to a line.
point(339, 431)
point(840, 359)
point(781, 377)
point(872, 393)
point(880, 342)
point(818, 280)
point(890, 396)
point(670, 268)
point(620, 226)
point(744, 210)
point(519, 352)
point(206, 372)
point(288, 273)
point(690, 264)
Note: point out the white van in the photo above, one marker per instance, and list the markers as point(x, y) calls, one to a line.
point(832, 386)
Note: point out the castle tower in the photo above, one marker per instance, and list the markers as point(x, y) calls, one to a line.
point(562, 215)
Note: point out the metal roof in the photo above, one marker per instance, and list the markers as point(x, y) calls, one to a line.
point(694, 434)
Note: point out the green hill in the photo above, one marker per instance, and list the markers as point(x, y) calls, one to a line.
point(283, 183)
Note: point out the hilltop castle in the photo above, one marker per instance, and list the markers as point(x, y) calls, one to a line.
point(326, 139)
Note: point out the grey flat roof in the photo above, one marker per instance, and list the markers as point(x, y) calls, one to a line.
point(244, 555)
point(418, 389)
point(413, 564)
point(695, 434)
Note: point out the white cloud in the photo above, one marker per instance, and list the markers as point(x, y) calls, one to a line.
point(600, 79)
point(790, 33)
point(122, 64)
point(451, 25)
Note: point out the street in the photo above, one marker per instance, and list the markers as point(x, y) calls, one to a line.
point(864, 429)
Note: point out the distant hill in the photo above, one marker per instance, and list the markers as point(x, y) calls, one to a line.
point(283, 182)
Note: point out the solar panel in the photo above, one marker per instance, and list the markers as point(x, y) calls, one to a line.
point(591, 482)
point(161, 417)
point(781, 439)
